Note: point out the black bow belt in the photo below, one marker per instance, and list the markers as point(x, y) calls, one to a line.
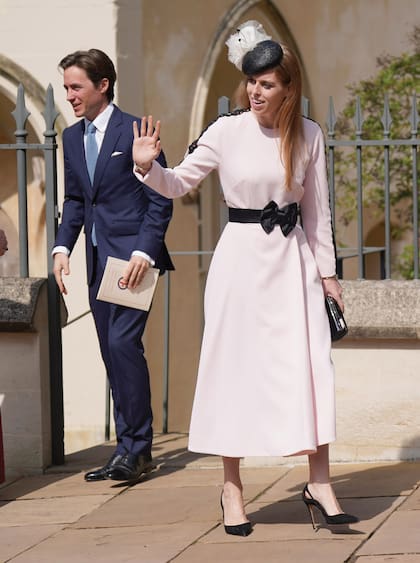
point(271, 215)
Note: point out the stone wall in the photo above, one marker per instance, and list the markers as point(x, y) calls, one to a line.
point(377, 372)
point(385, 309)
point(24, 375)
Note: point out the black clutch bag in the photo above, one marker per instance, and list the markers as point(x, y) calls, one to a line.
point(338, 324)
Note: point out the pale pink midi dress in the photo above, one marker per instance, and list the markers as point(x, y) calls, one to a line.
point(265, 383)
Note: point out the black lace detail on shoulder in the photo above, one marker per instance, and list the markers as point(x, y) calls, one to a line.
point(310, 119)
point(194, 144)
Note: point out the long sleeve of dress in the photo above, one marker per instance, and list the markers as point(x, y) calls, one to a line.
point(315, 206)
point(177, 181)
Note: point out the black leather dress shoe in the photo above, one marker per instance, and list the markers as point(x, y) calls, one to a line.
point(100, 474)
point(130, 467)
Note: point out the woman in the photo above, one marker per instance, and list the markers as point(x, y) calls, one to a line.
point(266, 383)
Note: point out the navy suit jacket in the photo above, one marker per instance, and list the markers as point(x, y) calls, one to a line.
point(127, 214)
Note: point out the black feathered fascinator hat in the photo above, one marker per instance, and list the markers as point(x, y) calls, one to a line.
point(251, 50)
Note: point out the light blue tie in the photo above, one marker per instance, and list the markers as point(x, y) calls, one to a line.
point(91, 151)
point(91, 158)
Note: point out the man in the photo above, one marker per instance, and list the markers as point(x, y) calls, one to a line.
point(3, 243)
point(123, 218)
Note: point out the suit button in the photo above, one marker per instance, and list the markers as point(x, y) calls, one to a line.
point(93, 204)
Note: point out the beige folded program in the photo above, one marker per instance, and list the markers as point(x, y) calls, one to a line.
point(112, 291)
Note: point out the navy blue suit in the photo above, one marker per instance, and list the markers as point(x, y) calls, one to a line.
point(127, 216)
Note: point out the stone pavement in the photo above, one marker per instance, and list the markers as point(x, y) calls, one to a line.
point(173, 514)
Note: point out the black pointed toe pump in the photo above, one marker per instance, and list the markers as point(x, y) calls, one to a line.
point(238, 529)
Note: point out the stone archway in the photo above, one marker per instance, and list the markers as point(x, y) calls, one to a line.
point(219, 77)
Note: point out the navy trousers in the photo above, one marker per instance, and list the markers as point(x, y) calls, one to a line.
point(120, 331)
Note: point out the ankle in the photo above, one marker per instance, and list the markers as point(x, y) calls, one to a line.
point(321, 488)
point(325, 495)
point(232, 489)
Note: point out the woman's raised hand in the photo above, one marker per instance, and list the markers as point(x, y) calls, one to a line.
point(146, 144)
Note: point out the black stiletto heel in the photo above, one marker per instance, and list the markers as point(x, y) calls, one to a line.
point(334, 519)
point(239, 529)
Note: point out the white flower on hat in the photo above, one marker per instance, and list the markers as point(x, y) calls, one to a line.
point(246, 37)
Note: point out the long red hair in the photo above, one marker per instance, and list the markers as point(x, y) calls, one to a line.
point(289, 118)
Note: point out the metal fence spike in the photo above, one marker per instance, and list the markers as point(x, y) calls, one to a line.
point(305, 106)
point(223, 105)
point(358, 118)
point(386, 117)
point(20, 113)
point(414, 117)
point(50, 113)
point(331, 118)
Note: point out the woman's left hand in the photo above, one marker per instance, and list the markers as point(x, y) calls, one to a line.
point(332, 287)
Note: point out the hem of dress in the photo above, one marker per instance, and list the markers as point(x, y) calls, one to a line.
point(305, 451)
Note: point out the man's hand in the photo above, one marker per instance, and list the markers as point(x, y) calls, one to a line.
point(135, 271)
point(61, 264)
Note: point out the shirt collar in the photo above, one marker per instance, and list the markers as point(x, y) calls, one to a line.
point(101, 121)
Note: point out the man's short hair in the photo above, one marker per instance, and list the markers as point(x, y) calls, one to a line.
point(97, 66)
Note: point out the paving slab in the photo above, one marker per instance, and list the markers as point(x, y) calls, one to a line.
point(17, 539)
point(375, 479)
point(191, 476)
point(48, 511)
point(165, 446)
point(290, 521)
point(55, 486)
point(146, 544)
point(150, 506)
point(320, 551)
point(289, 486)
point(413, 502)
point(388, 559)
point(354, 480)
point(173, 452)
point(84, 460)
point(173, 514)
point(159, 439)
point(400, 534)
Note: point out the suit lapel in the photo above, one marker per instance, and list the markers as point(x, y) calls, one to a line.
point(112, 134)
